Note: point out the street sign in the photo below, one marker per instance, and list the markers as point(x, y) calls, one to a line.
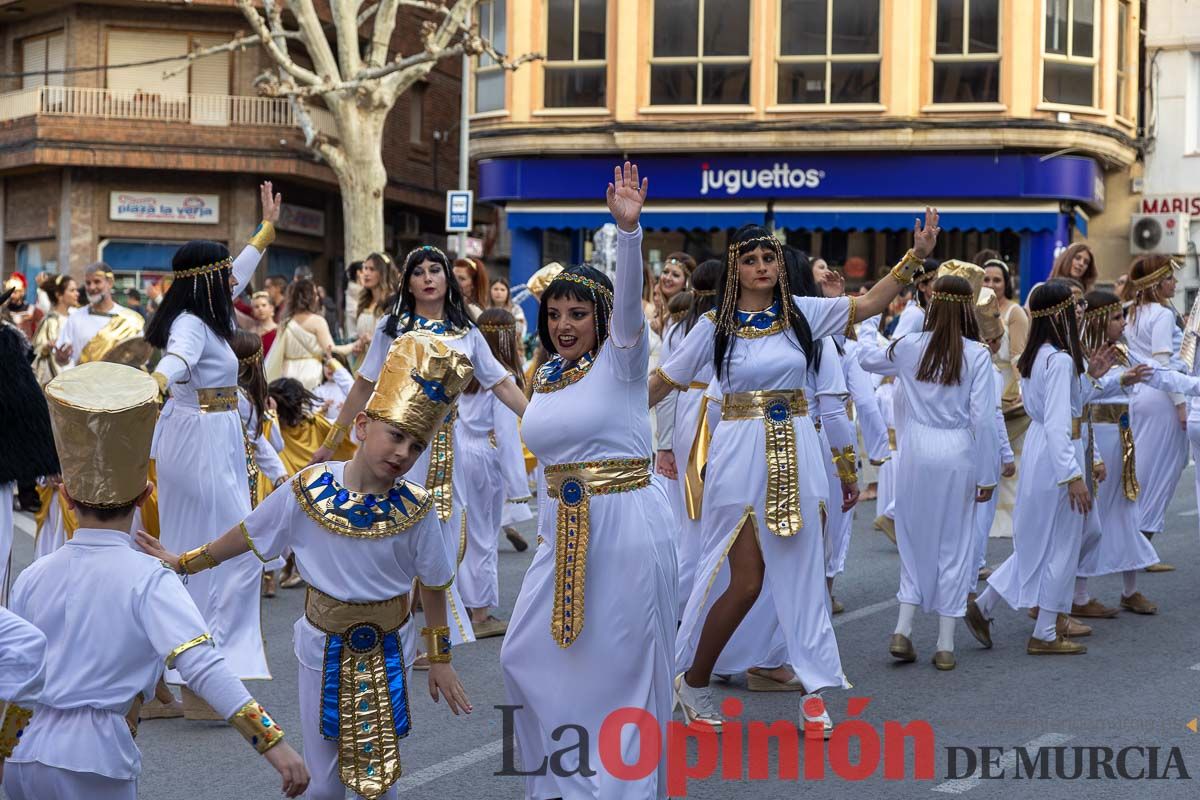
point(459, 206)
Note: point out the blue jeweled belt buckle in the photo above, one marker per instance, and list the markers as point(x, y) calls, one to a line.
point(778, 411)
point(572, 492)
point(363, 637)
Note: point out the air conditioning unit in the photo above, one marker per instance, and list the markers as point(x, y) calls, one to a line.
point(1159, 233)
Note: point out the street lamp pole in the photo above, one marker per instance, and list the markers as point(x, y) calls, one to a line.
point(464, 140)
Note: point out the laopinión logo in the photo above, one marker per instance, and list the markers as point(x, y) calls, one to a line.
point(778, 176)
point(743, 751)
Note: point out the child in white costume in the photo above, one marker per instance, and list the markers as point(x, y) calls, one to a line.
point(126, 614)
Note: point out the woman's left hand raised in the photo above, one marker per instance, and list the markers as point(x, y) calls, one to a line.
point(271, 202)
point(626, 196)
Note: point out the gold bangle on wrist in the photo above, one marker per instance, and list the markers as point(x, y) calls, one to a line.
point(263, 236)
point(200, 553)
point(846, 462)
point(335, 437)
point(11, 727)
point(903, 272)
point(260, 729)
point(437, 644)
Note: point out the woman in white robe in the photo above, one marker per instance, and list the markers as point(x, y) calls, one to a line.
point(303, 342)
point(595, 619)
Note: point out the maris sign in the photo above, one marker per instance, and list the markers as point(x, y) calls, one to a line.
point(779, 175)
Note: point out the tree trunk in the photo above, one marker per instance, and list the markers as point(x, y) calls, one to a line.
point(362, 179)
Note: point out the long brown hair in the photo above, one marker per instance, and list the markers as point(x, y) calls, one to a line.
point(499, 329)
point(252, 379)
point(387, 285)
point(949, 320)
point(1062, 265)
point(302, 296)
point(479, 279)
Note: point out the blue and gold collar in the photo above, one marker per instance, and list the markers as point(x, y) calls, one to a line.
point(558, 373)
point(437, 327)
point(347, 513)
point(753, 324)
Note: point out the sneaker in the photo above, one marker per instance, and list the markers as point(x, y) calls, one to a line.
point(812, 713)
point(697, 704)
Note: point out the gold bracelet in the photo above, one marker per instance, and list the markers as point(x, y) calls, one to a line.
point(335, 437)
point(188, 568)
point(263, 236)
point(845, 461)
point(11, 728)
point(260, 730)
point(903, 272)
point(437, 644)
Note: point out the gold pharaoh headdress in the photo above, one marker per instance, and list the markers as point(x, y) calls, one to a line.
point(987, 314)
point(539, 280)
point(420, 382)
point(103, 418)
point(971, 273)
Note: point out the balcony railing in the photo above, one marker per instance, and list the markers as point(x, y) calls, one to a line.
point(216, 110)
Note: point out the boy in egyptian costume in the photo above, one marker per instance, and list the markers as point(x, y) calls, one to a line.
point(361, 535)
point(125, 617)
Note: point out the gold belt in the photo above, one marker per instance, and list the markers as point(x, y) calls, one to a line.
point(573, 486)
point(776, 409)
point(1076, 427)
point(303, 358)
point(892, 439)
point(1106, 413)
point(337, 617)
point(439, 480)
point(219, 398)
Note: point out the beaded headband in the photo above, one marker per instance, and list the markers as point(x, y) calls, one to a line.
point(216, 266)
point(704, 292)
point(1146, 281)
point(497, 327)
point(587, 282)
point(725, 318)
point(253, 357)
point(427, 247)
point(951, 297)
point(1055, 309)
point(681, 263)
point(1101, 311)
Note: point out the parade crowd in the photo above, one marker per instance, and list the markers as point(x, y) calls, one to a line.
point(692, 446)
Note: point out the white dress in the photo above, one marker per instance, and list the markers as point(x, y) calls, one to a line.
point(200, 457)
point(296, 353)
point(22, 660)
point(735, 491)
point(948, 445)
point(622, 656)
point(1153, 336)
point(985, 513)
point(828, 384)
point(517, 496)
point(483, 490)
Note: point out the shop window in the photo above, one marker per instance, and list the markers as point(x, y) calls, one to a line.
point(1123, 13)
point(701, 53)
point(489, 75)
point(1069, 53)
point(966, 59)
point(575, 68)
point(828, 52)
point(39, 56)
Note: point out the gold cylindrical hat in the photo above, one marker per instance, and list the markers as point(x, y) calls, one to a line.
point(971, 273)
point(103, 418)
point(419, 384)
point(987, 314)
point(539, 280)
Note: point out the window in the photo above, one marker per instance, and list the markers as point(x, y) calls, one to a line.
point(1123, 59)
point(701, 53)
point(966, 53)
point(828, 52)
point(1069, 55)
point(575, 54)
point(416, 113)
point(204, 76)
point(39, 55)
point(489, 76)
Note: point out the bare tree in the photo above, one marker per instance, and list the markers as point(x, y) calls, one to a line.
point(358, 78)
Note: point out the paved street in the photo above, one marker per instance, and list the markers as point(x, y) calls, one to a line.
point(1136, 686)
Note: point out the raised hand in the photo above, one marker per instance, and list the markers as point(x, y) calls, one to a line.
point(1100, 361)
point(626, 196)
point(925, 236)
point(271, 203)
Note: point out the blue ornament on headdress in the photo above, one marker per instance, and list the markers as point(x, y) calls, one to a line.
point(434, 390)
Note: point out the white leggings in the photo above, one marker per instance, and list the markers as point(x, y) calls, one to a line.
point(34, 781)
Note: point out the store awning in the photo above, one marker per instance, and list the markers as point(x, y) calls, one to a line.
point(1036, 217)
point(710, 216)
point(135, 256)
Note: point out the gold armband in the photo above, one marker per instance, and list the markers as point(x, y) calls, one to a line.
point(260, 730)
point(903, 272)
point(11, 728)
point(846, 462)
point(187, 564)
point(437, 644)
point(335, 437)
point(263, 236)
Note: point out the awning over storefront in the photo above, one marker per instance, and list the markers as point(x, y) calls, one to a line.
point(701, 216)
point(1033, 218)
point(138, 256)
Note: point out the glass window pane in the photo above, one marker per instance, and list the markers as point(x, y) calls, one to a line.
point(854, 83)
point(1085, 28)
point(560, 30)
point(1122, 36)
point(802, 83)
point(802, 27)
point(592, 26)
point(984, 26)
point(673, 85)
point(1068, 83)
point(1056, 26)
point(949, 26)
point(1121, 109)
point(499, 26)
point(726, 84)
point(489, 91)
point(675, 27)
point(966, 82)
point(580, 87)
point(855, 26)
point(727, 27)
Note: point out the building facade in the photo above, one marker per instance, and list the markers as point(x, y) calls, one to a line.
point(121, 164)
point(1171, 187)
point(835, 121)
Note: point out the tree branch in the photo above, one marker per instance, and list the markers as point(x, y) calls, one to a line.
point(345, 25)
point(315, 43)
point(274, 48)
point(381, 33)
point(238, 44)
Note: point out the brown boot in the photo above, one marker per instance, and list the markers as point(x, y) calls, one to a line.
point(979, 625)
point(1138, 604)
point(268, 584)
point(901, 648)
point(1161, 566)
point(1071, 627)
point(888, 525)
point(516, 539)
point(1059, 647)
point(944, 660)
point(1093, 609)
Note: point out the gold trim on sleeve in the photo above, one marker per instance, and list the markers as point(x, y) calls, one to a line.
point(250, 542)
point(849, 332)
point(188, 645)
point(674, 384)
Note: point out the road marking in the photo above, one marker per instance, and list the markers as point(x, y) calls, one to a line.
point(865, 611)
point(1190, 513)
point(450, 765)
point(26, 524)
point(1007, 762)
point(1195, 667)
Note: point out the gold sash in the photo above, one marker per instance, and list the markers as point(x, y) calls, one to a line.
point(439, 480)
point(120, 328)
point(693, 476)
point(1118, 414)
point(776, 409)
point(573, 486)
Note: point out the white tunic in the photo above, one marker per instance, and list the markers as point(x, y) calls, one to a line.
point(483, 490)
point(985, 513)
point(622, 657)
point(22, 660)
point(81, 327)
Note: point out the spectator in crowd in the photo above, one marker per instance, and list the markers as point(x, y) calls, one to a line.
point(376, 287)
point(154, 293)
point(304, 339)
point(133, 300)
point(63, 293)
point(1078, 262)
point(473, 281)
point(501, 297)
point(264, 325)
point(24, 316)
point(276, 286)
point(350, 299)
